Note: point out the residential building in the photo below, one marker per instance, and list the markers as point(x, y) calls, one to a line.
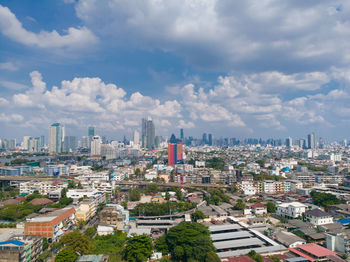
point(269, 187)
point(57, 134)
point(175, 152)
point(43, 187)
point(291, 210)
point(339, 242)
point(51, 225)
point(115, 215)
point(86, 210)
point(96, 147)
point(312, 252)
point(81, 193)
point(21, 248)
point(56, 170)
point(318, 217)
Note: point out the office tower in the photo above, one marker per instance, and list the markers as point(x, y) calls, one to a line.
point(25, 143)
point(345, 142)
point(12, 144)
point(70, 144)
point(96, 146)
point(311, 141)
point(56, 138)
point(42, 141)
point(157, 141)
point(173, 139)
point(182, 134)
point(204, 138)
point(175, 153)
point(85, 142)
point(289, 142)
point(210, 139)
point(136, 137)
point(148, 134)
point(91, 131)
point(34, 144)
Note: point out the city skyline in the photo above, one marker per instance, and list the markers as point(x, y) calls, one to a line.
point(83, 64)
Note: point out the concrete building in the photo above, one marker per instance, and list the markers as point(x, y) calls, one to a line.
point(115, 215)
point(339, 242)
point(96, 143)
point(318, 217)
point(43, 187)
point(56, 170)
point(291, 210)
point(21, 249)
point(51, 225)
point(56, 138)
point(81, 193)
point(87, 209)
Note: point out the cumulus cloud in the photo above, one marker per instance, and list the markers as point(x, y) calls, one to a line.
point(11, 27)
point(12, 85)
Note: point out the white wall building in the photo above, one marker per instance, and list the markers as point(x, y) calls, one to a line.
point(291, 210)
point(96, 147)
point(318, 217)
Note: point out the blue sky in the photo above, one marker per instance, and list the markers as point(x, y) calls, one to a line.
point(262, 68)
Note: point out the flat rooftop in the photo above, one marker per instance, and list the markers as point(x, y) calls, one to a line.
point(218, 228)
point(231, 235)
point(50, 216)
point(231, 244)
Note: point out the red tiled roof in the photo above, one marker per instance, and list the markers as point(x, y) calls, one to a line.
point(21, 199)
point(313, 249)
point(241, 259)
point(258, 205)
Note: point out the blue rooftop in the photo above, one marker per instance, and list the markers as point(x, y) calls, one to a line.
point(344, 221)
point(14, 242)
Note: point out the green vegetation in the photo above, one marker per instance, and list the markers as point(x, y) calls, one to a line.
point(138, 248)
point(97, 168)
point(188, 242)
point(90, 232)
point(44, 256)
point(7, 225)
point(76, 242)
point(264, 176)
point(239, 205)
point(66, 255)
point(151, 189)
point(313, 167)
point(324, 199)
point(45, 244)
point(134, 195)
point(159, 209)
point(8, 192)
point(255, 256)
point(110, 244)
point(16, 212)
point(271, 207)
point(216, 163)
point(197, 215)
point(217, 196)
point(19, 161)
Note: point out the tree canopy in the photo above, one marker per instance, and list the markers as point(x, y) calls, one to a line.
point(138, 248)
point(66, 255)
point(189, 241)
point(324, 199)
point(76, 242)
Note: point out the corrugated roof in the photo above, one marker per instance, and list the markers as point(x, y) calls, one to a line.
point(224, 227)
point(231, 235)
point(238, 243)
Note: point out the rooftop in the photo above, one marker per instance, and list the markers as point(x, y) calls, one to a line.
point(317, 213)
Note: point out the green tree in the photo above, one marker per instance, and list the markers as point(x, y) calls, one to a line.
point(161, 245)
point(45, 244)
point(167, 196)
point(71, 184)
point(271, 207)
point(138, 248)
point(134, 195)
point(137, 172)
point(110, 244)
point(212, 257)
point(191, 238)
point(324, 199)
point(239, 205)
point(66, 255)
point(90, 232)
point(197, 215)
point(77, 242)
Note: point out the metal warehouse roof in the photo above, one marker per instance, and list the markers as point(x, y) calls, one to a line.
point(238, 243)
point(231, 235)
point(224, 227)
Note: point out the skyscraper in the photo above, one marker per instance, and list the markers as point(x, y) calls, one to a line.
point(289, 142)
point(210, 139)
point(148, 134)
point(91, 131)
point(70, 144)
point(56, 138)
point(182, 134)
point(175, 152)
point(204, 138)
point(136, 138)
point(96, 147)
point(311, 141)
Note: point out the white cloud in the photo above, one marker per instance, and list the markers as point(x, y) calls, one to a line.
point(8, 66)
point(262, 35)
point(11, 118)
point(4, 101)
point(11, 27)
point(12, 85)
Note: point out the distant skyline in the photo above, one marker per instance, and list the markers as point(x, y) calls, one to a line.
point(262, 68)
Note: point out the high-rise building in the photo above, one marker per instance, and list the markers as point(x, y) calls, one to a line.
point(85, 142)
point(42, 141)
point(25, 143)
point(210, 139)
point(91, 131)
point(148, 134)
point(136, 138)
point(289, 142)
point(175, 153)
point(204, 138)
point(70, 144)
point(311, 141)
point(56, 138)
point(34, 144)
point(182, 134)
point(96, 147)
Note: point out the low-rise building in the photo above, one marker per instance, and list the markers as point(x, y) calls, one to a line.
point(291, 210)
point(51, 225)
point(56, 170)
point(21, 249)
point(339, 242)
point(115, 215)
point(86, 210)
point(318, 217)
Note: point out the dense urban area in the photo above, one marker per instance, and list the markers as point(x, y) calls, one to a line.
point(151, 198)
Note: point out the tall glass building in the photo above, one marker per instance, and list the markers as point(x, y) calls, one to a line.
point(57, 133)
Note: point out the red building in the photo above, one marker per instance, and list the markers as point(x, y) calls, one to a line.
point(175, 152)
